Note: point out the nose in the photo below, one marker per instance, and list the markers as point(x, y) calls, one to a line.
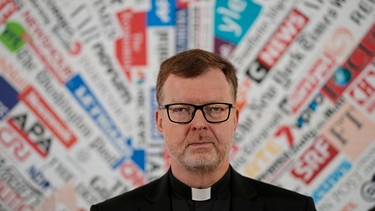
point(199, 122)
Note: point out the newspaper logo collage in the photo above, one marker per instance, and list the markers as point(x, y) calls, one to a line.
point(77, 95)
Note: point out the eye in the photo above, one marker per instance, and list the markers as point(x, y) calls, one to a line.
point(180, 109)
point(215, 108)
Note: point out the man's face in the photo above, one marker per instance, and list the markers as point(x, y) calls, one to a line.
point(198, 145)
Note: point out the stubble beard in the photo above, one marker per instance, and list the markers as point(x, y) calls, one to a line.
point(201, 160)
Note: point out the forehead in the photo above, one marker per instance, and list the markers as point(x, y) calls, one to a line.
point(212, 86)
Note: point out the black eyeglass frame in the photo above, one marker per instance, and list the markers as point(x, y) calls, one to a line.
point(197, 107)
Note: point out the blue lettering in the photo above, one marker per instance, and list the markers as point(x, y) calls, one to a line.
point(92, 106)
point(331, 180)
point(38, 177)
point(233, 18)
point(162, 13)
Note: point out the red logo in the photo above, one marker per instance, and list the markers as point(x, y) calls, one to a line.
point(314, 160)
point(310, 82)
point(285, 132)
point(279, 42)
point(132, 173)
point(364, 91)
point(7, 8)
point(277, 45)
point(357, 61)
point(12, 142)
point(243, 90)
point(131, 47)
point(47, 52)
point(49, 118)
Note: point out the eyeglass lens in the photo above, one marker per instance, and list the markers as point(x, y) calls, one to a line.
point(184, 113)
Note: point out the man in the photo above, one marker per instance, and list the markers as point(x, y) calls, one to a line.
point(196, 92)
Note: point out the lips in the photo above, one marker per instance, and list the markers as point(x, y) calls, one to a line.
point(200, 144)
point(200, 140)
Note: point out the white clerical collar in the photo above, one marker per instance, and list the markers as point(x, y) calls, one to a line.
point(200, 194)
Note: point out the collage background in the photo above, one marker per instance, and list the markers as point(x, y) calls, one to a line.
point(77, 99)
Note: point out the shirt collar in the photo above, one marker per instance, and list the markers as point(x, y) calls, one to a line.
point(182, 190)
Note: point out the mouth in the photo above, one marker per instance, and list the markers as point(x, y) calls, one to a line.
point(200, 144)
point(200, 141)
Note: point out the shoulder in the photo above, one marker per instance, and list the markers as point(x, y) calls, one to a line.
point(130, 200)
point(263, 188)
point(272, 196)
point(270, 190)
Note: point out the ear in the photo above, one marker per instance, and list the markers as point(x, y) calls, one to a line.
point(159, 120)
point(236, 116)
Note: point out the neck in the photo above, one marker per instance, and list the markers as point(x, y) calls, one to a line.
point(199, 179)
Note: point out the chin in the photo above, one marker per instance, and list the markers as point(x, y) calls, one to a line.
point(202, 165)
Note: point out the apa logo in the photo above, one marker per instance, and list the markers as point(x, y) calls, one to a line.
point(33, 132)
point(11, 37)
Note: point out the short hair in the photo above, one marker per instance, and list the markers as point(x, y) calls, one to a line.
point(192, 63)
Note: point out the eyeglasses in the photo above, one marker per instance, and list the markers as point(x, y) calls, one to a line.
point(183, 113)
